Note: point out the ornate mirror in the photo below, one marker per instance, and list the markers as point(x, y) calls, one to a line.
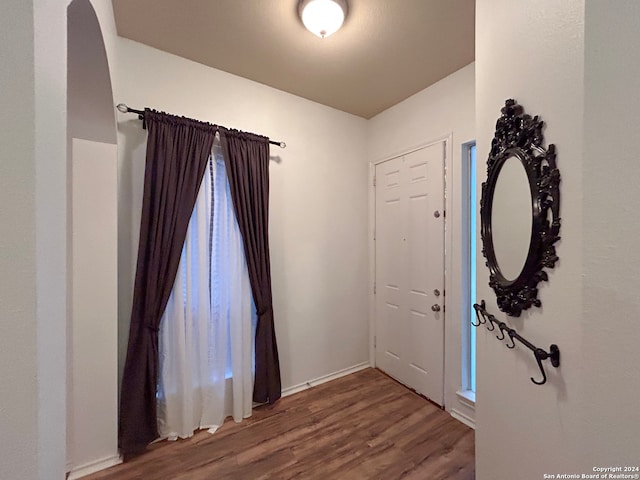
point(519, 210)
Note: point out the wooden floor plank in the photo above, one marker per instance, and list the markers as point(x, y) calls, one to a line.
point(362, 426)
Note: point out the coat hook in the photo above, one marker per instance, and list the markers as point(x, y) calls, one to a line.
point(476, 308)
point(503, 327)
point(540, 355)
point(492, 321)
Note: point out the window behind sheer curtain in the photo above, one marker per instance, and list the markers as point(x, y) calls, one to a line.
point(207, 330)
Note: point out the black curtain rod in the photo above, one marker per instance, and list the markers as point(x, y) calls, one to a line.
point(125, 109)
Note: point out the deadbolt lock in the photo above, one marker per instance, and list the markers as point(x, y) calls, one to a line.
point(436, 214)
point(436, 292)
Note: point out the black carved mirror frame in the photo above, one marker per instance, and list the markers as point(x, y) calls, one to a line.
point(519, 135)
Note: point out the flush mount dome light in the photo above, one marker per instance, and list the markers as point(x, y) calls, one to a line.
point(322, 17)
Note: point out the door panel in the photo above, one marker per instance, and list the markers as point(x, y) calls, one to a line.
point(389, 297)
point(409, 267)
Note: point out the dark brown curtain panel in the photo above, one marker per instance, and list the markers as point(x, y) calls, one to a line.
point(177, 153)
point(247, 163)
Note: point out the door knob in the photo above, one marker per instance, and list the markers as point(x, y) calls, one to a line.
point(435, 308)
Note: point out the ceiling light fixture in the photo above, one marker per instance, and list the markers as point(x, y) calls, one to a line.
point(322, 17)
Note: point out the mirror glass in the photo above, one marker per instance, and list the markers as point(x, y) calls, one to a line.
point(511, 218)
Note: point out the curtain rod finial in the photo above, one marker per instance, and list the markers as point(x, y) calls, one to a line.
point(122, 108)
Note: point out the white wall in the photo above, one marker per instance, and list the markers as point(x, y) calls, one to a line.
point(318, 204)
point(93, 372)
point(442, 109)
point(577, 72)
point(611, 261)
point(32, 239)
point(90, 112)
point(18, 327)
point(50, 63)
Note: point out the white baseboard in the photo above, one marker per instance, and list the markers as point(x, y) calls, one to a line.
point(89, 468)
point(461, 417)
point(324, 379)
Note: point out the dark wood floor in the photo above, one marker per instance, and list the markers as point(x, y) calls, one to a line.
point(362, 426)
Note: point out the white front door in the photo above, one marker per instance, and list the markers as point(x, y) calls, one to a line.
point(409, 245)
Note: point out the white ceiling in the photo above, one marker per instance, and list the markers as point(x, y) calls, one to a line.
point(386, 51)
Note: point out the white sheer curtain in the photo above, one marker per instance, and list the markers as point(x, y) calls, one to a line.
point(207, 332)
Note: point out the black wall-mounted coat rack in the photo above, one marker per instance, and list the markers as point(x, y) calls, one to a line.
point(492, 322)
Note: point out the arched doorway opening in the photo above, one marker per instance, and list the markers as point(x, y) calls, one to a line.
point(91, 248)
